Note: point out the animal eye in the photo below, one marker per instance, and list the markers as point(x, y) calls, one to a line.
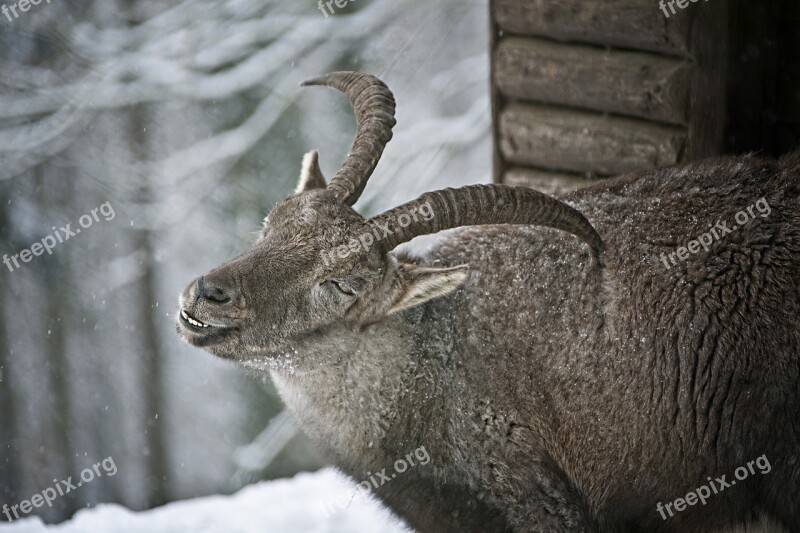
point(343, 287)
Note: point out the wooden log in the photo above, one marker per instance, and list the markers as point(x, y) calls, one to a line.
point(636, 24)
point(585, 142)
point(546, 181)
point(630, 83)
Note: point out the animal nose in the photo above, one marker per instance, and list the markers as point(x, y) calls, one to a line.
point(214, 292)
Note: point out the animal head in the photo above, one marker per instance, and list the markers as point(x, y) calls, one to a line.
point(318, 264)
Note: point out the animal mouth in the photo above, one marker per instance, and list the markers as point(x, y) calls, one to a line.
point(200, 333)
point(192, 321)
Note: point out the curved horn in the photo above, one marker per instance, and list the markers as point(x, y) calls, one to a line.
point(374, 107)
point(478, 205)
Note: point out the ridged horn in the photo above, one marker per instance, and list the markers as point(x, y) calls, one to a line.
point(480, 205)
point(374, 108)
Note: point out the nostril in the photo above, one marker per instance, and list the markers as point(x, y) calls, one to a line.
point(215, 294)
point(212, 292)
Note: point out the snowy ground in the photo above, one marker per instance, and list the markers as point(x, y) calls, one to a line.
point(305, 503)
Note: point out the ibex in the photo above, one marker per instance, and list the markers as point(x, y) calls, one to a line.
point(559, 381)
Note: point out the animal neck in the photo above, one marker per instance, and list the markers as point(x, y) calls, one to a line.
point(343, 386)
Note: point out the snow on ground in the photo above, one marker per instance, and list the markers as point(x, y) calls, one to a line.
point(305, 503)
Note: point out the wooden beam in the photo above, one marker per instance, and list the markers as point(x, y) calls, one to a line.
point(629, 83)
point(752, 80)
point(710, 36)
point(585, 142)
point(636, 24)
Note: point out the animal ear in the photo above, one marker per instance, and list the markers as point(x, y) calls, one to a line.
point(419, 284)
point(311, 174)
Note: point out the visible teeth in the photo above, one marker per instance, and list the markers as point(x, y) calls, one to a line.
point(192, 321)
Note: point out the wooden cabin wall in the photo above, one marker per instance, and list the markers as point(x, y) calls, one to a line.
point(584, 89)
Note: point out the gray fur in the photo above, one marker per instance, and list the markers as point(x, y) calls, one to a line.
point(552, 394)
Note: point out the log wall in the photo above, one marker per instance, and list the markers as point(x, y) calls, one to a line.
point(585, 89)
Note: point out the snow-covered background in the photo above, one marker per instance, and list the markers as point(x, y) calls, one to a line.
point(306, 503)
point(186, 117)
